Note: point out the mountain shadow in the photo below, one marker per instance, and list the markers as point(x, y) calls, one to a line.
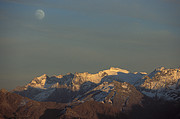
point(155, 109)
point(61, 94)
point(86, 110)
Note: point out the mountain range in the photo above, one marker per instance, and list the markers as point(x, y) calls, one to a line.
point(111, 93)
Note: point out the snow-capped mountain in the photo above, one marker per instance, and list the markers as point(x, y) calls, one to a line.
point(65, 88)
point(116, 92)
point(77, 79)
point(162, 83)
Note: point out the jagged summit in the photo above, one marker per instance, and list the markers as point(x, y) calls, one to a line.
point(44, 76)
point(159, 69)
point(162, 82)
point(111, 70)
point(75, 79)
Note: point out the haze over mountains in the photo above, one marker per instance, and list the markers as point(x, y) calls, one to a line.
point(114, 89)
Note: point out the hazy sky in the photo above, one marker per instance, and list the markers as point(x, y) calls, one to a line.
point(86, 35)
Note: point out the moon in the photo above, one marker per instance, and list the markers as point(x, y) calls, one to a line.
point(39, 14)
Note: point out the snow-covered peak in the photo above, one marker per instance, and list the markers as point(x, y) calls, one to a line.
point(161, 78)
point(59, 76)
point(163, 70)
point(74, 81)
point(162, 82)
point(159, 69)
point(114, 71)
point(44, 76)
point(38, 82)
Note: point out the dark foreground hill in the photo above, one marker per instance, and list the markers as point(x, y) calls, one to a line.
point(96, 110)
point(14, 106)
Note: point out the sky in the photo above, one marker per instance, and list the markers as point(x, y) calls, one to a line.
point(86, 36)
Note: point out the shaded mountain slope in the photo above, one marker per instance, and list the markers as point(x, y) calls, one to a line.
point(121, 95)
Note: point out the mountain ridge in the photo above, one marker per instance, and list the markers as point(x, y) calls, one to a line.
point(42, 87)
point(121, 92)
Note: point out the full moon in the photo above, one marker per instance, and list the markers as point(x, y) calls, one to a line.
point(39, 14)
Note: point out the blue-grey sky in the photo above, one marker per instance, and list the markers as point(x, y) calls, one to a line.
point(86, 35)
